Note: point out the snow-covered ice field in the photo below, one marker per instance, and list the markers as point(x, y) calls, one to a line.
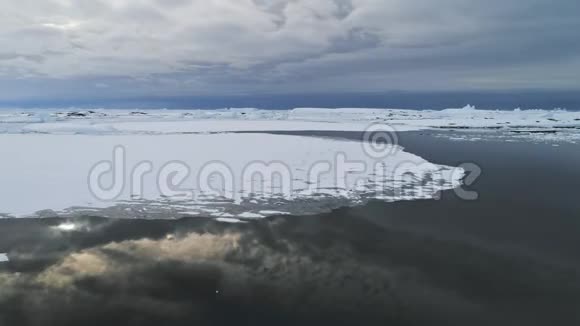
point(48, 160)
point(224, 175)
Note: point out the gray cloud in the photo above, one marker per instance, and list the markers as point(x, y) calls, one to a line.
point(223, 47)
point(14, 56)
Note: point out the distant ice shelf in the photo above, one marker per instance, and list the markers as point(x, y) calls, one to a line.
point(109, 122)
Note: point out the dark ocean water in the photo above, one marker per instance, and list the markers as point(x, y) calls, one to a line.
point(508, 258)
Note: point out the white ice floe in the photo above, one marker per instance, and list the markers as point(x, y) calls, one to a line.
point(229, 220)
point(257, 172)
point(4, 258)
point(266, 212)
point(249, 215)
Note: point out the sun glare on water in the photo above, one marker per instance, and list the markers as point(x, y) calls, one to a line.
point(66, 227)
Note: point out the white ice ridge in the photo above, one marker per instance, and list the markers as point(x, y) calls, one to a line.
point(4, 258)
point(108, 122)
point(42, 172)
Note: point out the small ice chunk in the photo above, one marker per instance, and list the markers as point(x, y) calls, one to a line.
point(226, 215)
point(229, 220)
point(274, 213)
point(250, 215)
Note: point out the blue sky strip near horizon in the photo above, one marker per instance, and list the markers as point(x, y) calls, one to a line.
point(283, 53)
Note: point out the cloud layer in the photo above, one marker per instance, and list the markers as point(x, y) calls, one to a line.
point(225, 47)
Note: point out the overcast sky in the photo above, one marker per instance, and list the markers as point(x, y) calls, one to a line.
point(131, 48)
